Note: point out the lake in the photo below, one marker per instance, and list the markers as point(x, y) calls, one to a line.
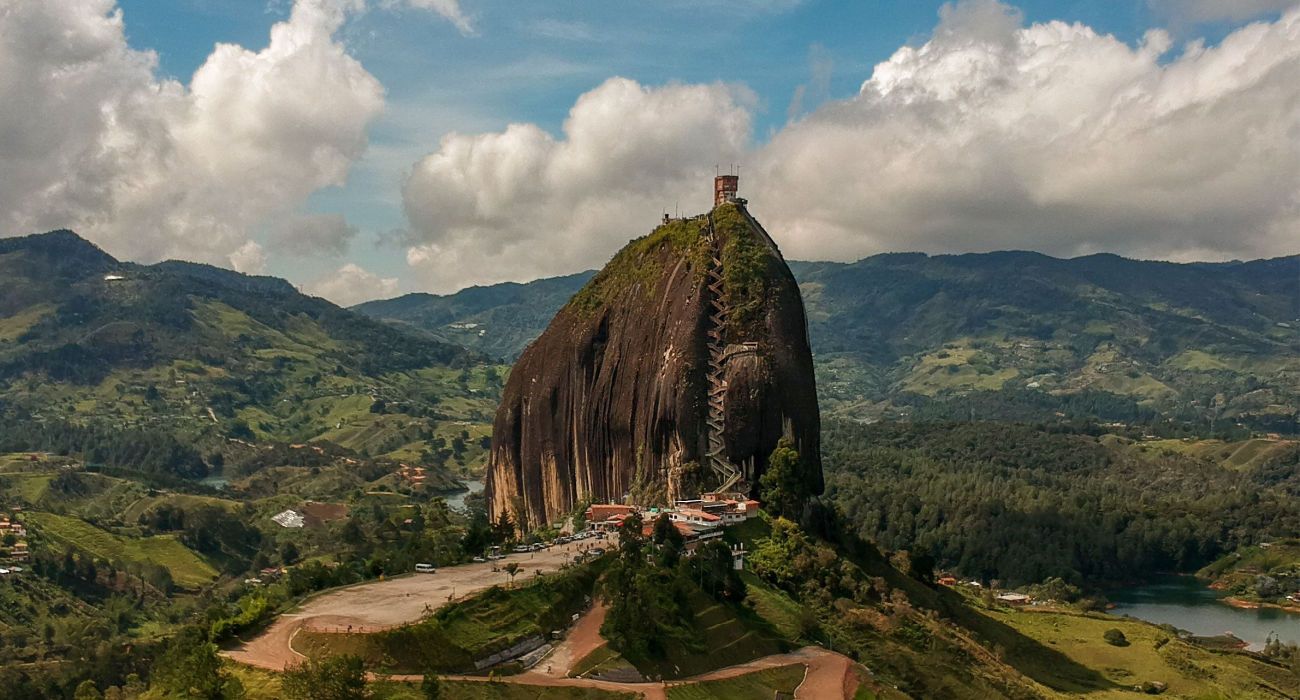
point(1187, 603)
point(456, 500)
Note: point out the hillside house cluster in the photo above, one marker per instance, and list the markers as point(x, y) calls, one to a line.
point(697, 520)
point(414, 476)
point(13, 537)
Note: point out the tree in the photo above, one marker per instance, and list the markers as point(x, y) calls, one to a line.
point(715, 571)
point(504, 528)
point(289, 553)
point(332, 678)
point(87, 691)
point(190, 667)
point(430, 688)
point(351, 533)
point(669, 541)
point(781, 487)
point(512, 569)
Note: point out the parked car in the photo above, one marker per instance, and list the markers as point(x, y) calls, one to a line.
point(521, 548)
point(479, 559)
point(425, 568)
point(538, 547)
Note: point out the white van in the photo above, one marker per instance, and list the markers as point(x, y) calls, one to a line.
point(425, 568)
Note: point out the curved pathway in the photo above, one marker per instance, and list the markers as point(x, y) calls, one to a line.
point(829, 675)
point(379, 605)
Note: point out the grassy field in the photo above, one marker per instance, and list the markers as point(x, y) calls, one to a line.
point(13, 327)
point(1151, 655)
point(956, 369)
point(774, 606)
point(188, 570)
point(760, 685)
point(142, 505)
point(27, 486)
point(601, 660)
point(1240, 455)
point(730, 635)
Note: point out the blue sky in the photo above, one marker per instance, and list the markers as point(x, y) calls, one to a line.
point(529, 61)
point(789, 65)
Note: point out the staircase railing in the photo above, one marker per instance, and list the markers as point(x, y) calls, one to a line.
point(726, 472)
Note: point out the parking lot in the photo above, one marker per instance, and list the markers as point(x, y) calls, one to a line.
point(377, 605)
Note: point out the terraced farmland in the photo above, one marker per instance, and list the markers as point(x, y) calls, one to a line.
point(188, 569)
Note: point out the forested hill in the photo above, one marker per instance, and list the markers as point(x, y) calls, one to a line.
point(499, 319)
point(1098, 507)
point(202, 354)
point(1010, 335)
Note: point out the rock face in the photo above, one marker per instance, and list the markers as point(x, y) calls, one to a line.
point(687, 356)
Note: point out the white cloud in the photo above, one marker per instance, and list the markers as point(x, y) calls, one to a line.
point(449, 9)
point(352, 284)
point(249, 258)
point(313, 234)
point(990, 135)
point(92, 139)
point(519, 204)
point(1206, 11)
point(1049, 137)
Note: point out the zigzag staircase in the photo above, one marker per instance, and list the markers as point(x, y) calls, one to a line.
point(726, 472)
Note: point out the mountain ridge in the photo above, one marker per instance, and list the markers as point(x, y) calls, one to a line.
point(895, 329)
point(206, 355)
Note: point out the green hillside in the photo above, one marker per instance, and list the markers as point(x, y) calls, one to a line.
point(187, 569)
point(1007, 336)
point(189, 357)
point(499, 319)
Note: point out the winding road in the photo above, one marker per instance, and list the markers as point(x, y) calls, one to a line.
point(376, 605)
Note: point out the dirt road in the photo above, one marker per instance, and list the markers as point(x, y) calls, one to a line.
point(370, 607)
point(828, 677)
point(583, 639)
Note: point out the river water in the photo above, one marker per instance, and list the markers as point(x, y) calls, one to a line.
point(1187, 603)
point(456, 499)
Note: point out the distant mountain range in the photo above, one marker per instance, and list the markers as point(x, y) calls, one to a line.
point(206, 354)
point(1008, 335)
point(1011, 335)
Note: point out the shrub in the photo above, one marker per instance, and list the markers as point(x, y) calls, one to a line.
point(1115, 637)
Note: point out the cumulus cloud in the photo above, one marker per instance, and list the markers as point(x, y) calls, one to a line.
point(249, 258)
point(522, 204)
point(313, 234)
point(1050, 137)
point(989, 135)
point(352, 284)
point(92, 139)
point(1206, 11)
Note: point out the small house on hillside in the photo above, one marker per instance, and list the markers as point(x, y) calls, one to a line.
point(1014, 599)
point(600, 512)
point(289, 518)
